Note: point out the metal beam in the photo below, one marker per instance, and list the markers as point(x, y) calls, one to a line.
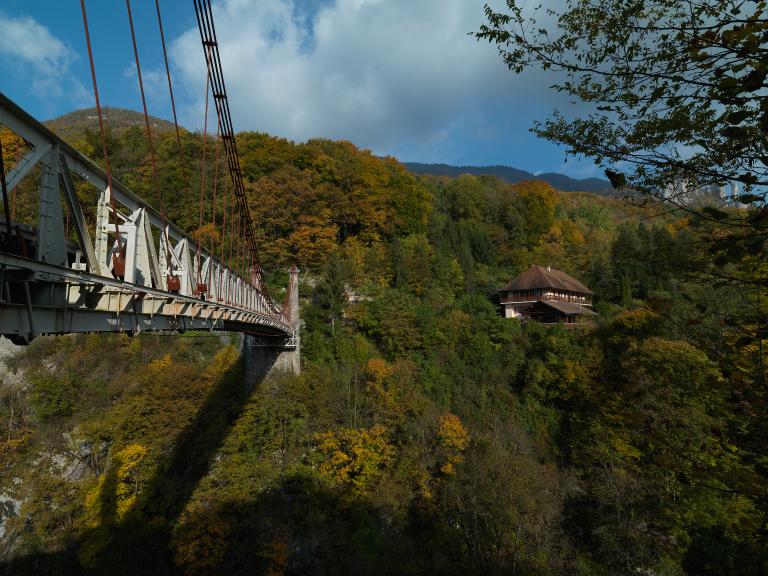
point(15, 321)
point(82, 230)
point(90, 291)
point(50, 285)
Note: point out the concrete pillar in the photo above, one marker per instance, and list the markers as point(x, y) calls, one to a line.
point(263, 355)
point(291, 359)
point(259, 359)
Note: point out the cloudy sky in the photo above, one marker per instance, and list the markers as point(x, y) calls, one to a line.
point(399, 77)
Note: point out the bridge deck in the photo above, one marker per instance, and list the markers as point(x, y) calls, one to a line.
point(82, 302)
point(50, 284)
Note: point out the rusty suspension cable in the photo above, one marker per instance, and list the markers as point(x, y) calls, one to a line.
point(150, 140)
point(6, 205)
point(182, 163)
point(107, 168)
point(213, 202)
point(231, 233)
point(202, 166)
point(202, 184)
point(207, 30)
point(223, 242)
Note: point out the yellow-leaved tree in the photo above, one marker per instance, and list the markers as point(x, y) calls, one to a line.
point(453, 440)
point(354, 458)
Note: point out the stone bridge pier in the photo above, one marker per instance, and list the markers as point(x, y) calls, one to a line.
point(265, 355)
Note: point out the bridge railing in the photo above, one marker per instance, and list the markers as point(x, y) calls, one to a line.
point(134, 246)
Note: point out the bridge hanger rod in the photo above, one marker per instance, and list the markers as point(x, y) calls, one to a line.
point(182, 164)
point(6, 206)
point(208, 38)
point(215, 186)
point(150, 140)
point(101, 122)
point(202, 179)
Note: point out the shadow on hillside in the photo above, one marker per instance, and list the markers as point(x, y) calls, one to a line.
point(139, 543)
point(297, 527)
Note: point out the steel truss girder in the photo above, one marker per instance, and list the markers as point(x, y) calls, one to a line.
point(51, 321)
point(231, 301)
point(97, 304)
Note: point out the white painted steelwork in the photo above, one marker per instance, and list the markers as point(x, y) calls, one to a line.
point(59, 292)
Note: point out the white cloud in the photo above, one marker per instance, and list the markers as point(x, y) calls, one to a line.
point(155, 87)
point(580, 167)
point(386, 74)
point(34, 51)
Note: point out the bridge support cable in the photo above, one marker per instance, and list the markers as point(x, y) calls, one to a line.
point(213, 201)
point(201, 288)
point(218, 130)
point(223, 239)
point(150, 139)
point(118, 257)
point(231, 233)
point(6, 204)
point(182, 163)
point(170, 84)
point(159, 203)
point(240, 249)
point(205, 138)
point(209, 41)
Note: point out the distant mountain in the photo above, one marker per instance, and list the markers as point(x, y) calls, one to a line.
point(71, 126)
point(512, 175)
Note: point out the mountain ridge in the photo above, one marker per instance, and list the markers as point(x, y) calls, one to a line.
point(514, 175)
point(70, 127)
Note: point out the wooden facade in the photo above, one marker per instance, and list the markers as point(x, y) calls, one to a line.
point(548, 296)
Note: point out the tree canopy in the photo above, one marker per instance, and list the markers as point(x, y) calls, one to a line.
point(677, 89)
point(426, 433)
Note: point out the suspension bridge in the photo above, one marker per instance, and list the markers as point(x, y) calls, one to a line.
point(122, 265)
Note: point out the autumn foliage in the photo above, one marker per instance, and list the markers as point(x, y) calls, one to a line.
point(425, 434)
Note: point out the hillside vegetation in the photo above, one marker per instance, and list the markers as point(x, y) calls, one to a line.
point(71, 126)
point(426, 434)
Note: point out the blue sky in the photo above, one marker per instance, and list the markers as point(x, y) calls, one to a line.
point(395, 76)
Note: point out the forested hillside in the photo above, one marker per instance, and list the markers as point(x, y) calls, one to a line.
point(426, 434)
point(71, 126)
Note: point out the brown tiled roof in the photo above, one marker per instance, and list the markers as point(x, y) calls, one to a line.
point(569, 308)
point(537, 277)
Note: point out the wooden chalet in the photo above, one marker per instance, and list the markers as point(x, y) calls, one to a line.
point(548, 296)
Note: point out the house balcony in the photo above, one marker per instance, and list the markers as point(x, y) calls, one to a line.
point(548, 296)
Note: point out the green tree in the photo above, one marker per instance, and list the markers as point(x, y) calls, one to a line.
point(677, 101)
point(531, 212)
point(679, 86)
point(330, 293)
